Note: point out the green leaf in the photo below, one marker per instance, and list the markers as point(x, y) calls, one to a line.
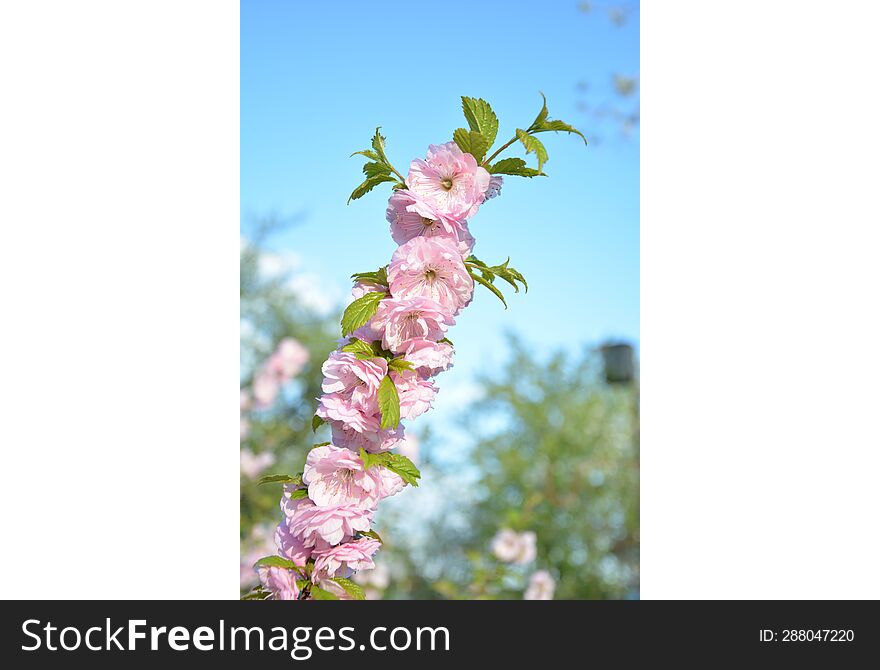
point(378, 144)
point(373, 534)
point(447, 341)
point(360, 311)
point(299, 494)
point(281, 479)
point(352, 589)
point(380, 276)
point(276, 562)
point(368, 459)
point(404, 467)
point(317, 422)
point(556, 126)
point(356, 346)
point(375, 169)
point(518, 277)
point(389, 403)
point(542, 115)
point(396, 463)
point(399, 365)
point(471, 142)
point(480, 118)
point(319, 444)
point(320, 594)
point(533, 145)
point(489, 286)
point(510, 275)
point(514, 166)
point(368, 185)
point(372, 155)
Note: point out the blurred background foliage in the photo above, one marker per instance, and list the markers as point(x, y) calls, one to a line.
point(553, 450)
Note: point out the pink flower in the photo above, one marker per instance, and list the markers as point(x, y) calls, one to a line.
point(450, 180)
point(336, 476)
point(290, 547)
point(416, 393)
point(253, 464)
point(410, 217)
point(359, 380)
point(280, 581)
point(342, 559)
point(541, 586)
point(374, 442)
point(265, 388)
point(512, 547)
point(427, 267)
point(287, 361)
point(428, 357)
point(316, 525)
point(402, 320)
point(342, 408)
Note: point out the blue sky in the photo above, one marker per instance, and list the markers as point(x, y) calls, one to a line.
point(316, 79)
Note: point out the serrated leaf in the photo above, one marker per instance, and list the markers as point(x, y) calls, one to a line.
point(368, 185)
point(488, 285)
point(373, 534)
point(317, 422)
point(276, 562)
point(320, 594)
point(399, 365)
point(557, 126)
point(471, 142)
point(380, 276)
point(375, 169)
point(518, 277)
point(368, 459)
point(352, 589)
point(299, 494)
point(509, 279)
point(533, 145)
point(404, 467)
point(372, 155)
point(356, 346)
point(389, 403)
point(281, 479)
point(514, 166)
point(359, 312)
point(378, 145)
point(480, 118)
point(542, 115)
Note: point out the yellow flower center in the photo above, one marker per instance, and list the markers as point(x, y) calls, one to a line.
point(447, 184)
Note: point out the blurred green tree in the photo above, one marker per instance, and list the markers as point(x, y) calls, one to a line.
point(271, 309)
point(556, 452)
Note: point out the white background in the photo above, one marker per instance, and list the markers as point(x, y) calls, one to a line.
point(119, 355)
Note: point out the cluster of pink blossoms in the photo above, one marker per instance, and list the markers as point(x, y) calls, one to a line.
point(325, 531)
